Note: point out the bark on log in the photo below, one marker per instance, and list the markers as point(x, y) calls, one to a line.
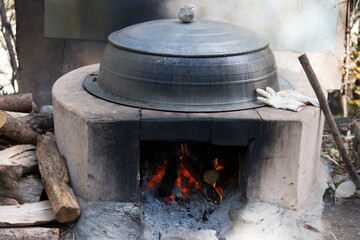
point(26, 215)
point(38, 121)
point(8, 202)
point(27, 190)
point(15, 162)
point(17, 102)
point(15, 130)
point(55, 179)
point(31, 233)
point(168, 181)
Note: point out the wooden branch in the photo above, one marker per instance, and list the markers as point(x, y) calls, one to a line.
point(37, 233)
point(27, 190)
point(168, 181)
point(15, 162)
point(17, 103)
point(15, 130)
point(55, 179)
point(26, 215)
point(329, 118)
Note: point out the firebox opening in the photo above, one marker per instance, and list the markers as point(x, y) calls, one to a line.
point(190, 185)
point(182, 172)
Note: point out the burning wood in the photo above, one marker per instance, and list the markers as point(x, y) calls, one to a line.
point(179, 176)
point(169, 180)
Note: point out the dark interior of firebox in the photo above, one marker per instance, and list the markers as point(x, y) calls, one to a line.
point(175, 172)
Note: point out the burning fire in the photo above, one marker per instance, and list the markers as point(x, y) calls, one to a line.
point(216, 165)
point(186, 181)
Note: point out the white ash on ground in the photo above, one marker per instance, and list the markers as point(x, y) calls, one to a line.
point(231, 220)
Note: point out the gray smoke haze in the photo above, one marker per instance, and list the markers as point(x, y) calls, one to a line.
point(290, 25)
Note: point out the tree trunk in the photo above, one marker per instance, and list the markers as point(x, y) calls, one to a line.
point(55, 179)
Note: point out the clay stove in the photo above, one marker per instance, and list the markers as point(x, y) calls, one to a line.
point(277, 151)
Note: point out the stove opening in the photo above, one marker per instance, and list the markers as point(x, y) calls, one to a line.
point(182, 172)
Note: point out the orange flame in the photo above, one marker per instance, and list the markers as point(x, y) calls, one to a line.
point(216, 165)
point(186, 182)
point(156, 179)
point(220, 191)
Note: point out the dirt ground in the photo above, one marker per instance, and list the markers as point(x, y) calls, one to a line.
point(342, 216)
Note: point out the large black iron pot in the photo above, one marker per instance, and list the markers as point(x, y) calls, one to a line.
point(204, 66)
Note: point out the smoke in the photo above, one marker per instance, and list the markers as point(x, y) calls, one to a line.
point(303, 25)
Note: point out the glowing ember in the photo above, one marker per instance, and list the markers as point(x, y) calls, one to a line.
point(158, 174)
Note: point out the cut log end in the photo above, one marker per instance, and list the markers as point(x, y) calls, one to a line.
point(211, 176)
point(67, 214)
point(3, 117)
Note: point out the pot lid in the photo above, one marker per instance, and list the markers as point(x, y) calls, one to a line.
point(201, 38)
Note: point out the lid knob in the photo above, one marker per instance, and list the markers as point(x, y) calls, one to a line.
point(187, 13)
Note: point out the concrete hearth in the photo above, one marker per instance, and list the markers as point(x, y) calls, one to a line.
point(101, 142)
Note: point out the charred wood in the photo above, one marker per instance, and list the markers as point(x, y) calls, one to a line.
point(211, 194)
point(168, 181)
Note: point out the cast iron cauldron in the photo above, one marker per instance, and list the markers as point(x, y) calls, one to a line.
point(203, 66)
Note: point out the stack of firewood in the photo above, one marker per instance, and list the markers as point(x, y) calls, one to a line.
point(29, 163)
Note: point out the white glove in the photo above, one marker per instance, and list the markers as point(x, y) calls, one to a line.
point(277, 101)
point(298, 96)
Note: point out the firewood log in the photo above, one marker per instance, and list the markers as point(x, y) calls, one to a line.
point(15, 162)
point(56, 180)
point(211, 176)
point(17, 102)
point(38, 122)
point(27, 190)
point(37, 233)
point(168, 181)
point(8, 202)
point(210, 192)
point(15, 130)
point(26, 215)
